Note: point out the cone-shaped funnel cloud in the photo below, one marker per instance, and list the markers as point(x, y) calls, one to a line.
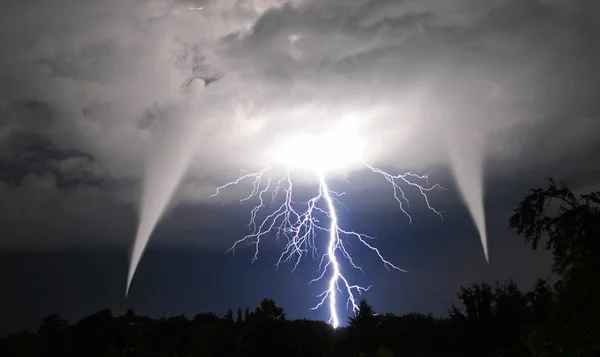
point(466, 158)
point(166, 166)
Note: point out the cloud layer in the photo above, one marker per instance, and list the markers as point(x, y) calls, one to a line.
point(91, 88)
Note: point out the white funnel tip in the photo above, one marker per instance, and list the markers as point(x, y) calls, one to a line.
point(131, 273)
point(127, 289)
point(484, 245)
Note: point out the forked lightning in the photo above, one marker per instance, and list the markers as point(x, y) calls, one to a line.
point(299, 224)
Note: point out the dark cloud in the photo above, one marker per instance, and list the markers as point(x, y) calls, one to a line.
point(31, 158)
point(87, 96)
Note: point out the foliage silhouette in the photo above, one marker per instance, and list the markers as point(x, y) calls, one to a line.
point(364, 316)
point(571, 225)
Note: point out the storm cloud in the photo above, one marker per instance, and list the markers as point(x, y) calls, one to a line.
point(90, 88)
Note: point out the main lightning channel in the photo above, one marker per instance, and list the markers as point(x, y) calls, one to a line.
point(300, 228)
point(333, 241)
point(336, 276)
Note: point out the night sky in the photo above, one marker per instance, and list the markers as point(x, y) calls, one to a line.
point(91, 110)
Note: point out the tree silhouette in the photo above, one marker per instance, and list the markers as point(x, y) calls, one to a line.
point(268, 309)
point(364, 316)
point(206, 319)
point(52, 324)
point(494, 320)
point(53, 333)
point(476, 321)
point(229, 315)
point(239, 317)
point(363, 329)
point(572, 227)
point(572, 231)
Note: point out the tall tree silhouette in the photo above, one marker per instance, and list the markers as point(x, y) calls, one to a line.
point(240, 315)
point(475, 322)
point(364, 316)
point(268, 309)
point(54, 337)
point(571, 225)
point(363, 329)
point(572, 231)
point(52, 323)
point(229, 315)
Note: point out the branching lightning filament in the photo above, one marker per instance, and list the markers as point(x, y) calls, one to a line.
point(299, 225)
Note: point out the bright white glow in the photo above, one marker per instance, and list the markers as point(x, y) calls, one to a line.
point(335, 150)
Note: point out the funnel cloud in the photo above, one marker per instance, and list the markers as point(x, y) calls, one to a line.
point(166, 165)
point(467, 167)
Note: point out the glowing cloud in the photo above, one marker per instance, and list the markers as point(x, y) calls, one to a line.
point(325, 152)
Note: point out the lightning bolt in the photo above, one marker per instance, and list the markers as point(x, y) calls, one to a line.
point(299, 224)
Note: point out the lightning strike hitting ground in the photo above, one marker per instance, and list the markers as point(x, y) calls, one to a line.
point(299, 225)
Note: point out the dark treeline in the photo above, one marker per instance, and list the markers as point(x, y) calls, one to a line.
point(560, 319)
